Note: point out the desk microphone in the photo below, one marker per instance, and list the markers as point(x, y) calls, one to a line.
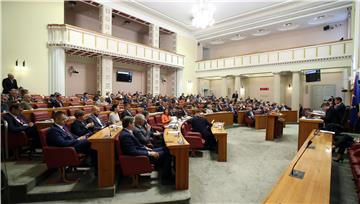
point(300, 174)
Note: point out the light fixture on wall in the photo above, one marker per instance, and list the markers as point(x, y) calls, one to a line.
point(289, 87)
point(17, 64)
point(20, 67)
point(72, 70)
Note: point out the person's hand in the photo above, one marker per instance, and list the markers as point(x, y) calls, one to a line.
point(90, 125)
point(148, 127)
point(31, 124)
point(147, 148)
point(154, 154)
point(81, 138)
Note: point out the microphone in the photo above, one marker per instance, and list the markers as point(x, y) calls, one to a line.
point(300, 174)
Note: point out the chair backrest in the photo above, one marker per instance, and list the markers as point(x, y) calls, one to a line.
point(158, 119)
point(40, 116)
point(40, 105)
point(104, 117)
point(75, 103)
point(102, 108)
point(87, 109)
point(151, 121)
point(43, 135)
point(71, 111)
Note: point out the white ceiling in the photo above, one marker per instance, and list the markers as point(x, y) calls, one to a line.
point(246, 17)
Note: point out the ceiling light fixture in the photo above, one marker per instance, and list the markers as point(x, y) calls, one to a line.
point(261, 32)
point(237, 37)
point(288, 26)
point(217, 42)
point(321, 19)
point(203, 15)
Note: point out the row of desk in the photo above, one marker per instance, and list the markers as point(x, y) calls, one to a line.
point(260, 119)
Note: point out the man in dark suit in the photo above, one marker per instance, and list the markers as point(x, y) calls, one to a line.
point(60, 136)
point(56, 102)
point(126, 111)
point(200, 124)
point(94, 118)
point(79, 126)
point(161, 108)
point(130, 145)
point(13, 97)
point(142, 131)
point(17, 123)
point(9, 83)
point(340, 108)
point(235, 96)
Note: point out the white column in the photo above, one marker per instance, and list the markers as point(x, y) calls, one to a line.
point(153, 73)
point(56, 70)
point(346, 86)
point(356, 37)
point(295, 94)
point(224, 92)
point(173, 82)
point(237, 85)
point(277, 87)
point(105, 64)
point(179, 82)
point(199, 88)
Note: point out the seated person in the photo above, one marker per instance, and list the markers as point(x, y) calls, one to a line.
point(331, 118)
point(130, 145)
point(249, 116)
point(56, 101)
point(172, 111)
point(79, 126)
point(94, 118)
point(209, 109)
point(101, 102)
point(161, 107)
point(342, 142)
point(4, 103)
point(26, 102)
point(114, 115)
point(145, 134)
point(85, 97)
point(17, 123)
point(165, 117)
point(200, 124)
point(60, 136)
point(232, 109)
point(126, 111)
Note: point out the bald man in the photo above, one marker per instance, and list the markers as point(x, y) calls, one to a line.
point(9, 83)
point(94, 118)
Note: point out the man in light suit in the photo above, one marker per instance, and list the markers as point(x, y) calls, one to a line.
point(94, 118)
point(130, 145)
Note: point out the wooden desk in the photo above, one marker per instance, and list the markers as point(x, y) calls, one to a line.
point(315, 186)
point(241, 115)
point(226, 117)
point(260, 121)
point(221, 137)
point(179, 148)
point(290, 116)
point(105, 147)
point(274, 127)
point(305, 128)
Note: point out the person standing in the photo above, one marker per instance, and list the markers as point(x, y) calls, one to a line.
point(9, 83)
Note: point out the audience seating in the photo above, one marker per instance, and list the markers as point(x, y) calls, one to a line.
point(71, 111)
point(75, 103)
point(132, 165)
point(249, 121)
point(40, 116)
point(59, 157)
point(194, 138)
point(40, 105)
point(153, 125)
point(87, 109)
point(15, 141)
point(104, 117)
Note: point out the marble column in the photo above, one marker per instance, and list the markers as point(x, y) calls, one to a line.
point(179, 82)
point(295, 94)
point(224, 92)
point(105, 64)
point(237, 85)
point(56, 70)
point(277, 87)
point(153, 72)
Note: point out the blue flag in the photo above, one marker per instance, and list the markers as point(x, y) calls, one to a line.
point(355, 102)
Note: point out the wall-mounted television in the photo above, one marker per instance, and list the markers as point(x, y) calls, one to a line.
point(124, 76)
point(312, 75)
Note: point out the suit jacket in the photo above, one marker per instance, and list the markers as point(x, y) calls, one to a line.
point(331, 116)
point(142, 134)
point(125, 113)
point(79, 128)
point(235, 95)
point(199, 124)
point(340, 109)
point(14, 125)
point(7, 85)
point(130, 145)
point(55, 103)
point(59, 138)
point(97, 125)
point(160, 109)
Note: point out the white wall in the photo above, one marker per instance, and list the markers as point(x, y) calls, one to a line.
point(278, 41)
point(138, 79)
point(252, 87)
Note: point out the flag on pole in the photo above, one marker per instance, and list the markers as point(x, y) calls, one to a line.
point(355, 102)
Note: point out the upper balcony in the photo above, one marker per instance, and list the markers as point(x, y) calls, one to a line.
point(94, 43)
point(325, 51)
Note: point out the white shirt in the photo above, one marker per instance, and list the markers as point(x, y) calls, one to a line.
point(17, 119)
point(114, 118)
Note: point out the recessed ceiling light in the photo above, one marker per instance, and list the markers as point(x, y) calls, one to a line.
point(321, 19)
point(288, 26)
point(237, 37)
point(217, 42)
point(261, 32)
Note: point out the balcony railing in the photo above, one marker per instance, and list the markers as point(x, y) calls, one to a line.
point(72, 37)
point(326, 51)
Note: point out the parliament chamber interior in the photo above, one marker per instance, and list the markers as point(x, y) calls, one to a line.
point(170, 101)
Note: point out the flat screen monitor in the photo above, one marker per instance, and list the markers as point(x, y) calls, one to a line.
point(312, 75)
point(124, 76)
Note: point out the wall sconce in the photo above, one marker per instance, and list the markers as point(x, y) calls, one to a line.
point(289, 87)
point(24, 63)
point(72, 70)
point(19, 67)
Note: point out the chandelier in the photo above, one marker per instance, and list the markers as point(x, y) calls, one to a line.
point(203, 15)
